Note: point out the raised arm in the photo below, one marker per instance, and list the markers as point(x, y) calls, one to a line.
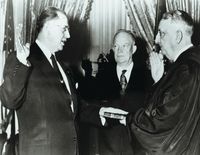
point(16, 70)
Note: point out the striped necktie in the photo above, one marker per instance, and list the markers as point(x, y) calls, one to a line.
point(123, 82)
point(55, 67)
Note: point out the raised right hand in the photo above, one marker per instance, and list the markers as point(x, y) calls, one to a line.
point(23, 51)
point(157, 66)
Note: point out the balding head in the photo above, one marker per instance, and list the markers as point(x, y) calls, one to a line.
point(125, 33)
point(48, 14)
point(123, 47)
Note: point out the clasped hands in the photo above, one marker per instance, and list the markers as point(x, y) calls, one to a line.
point(114, 113)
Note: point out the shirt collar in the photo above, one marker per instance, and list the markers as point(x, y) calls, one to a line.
point(46, 52)
point(128, 71)
point(182, 50)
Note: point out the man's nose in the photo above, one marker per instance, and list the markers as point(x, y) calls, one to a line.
point(121, 49)
point(67, 34)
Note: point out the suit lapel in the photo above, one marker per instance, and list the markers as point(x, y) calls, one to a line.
point(39, 61)
point(69, 76)
point(131, 80)
point(116, 79)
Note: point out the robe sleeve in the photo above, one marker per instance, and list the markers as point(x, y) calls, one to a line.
point(170, 111)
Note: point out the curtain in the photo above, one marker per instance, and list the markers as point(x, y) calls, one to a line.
point(106, 17)
point(27, 12)
point(190, 6)
point(142, 14)
point(3, 5)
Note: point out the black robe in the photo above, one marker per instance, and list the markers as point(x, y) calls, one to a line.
point(170, 125)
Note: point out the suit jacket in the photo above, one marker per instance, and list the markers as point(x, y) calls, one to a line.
point(170, 123)
point(47, 125)
point(115, 139)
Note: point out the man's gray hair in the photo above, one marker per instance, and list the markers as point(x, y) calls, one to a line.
point(179, 16)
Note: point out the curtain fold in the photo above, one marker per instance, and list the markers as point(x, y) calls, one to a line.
point(30, 10)
point(3, 5)
point(2, 30)
point(142, 15)
point(106, 17)
point(190, 6)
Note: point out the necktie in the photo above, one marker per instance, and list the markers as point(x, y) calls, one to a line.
point(55, 67)
point(123, 82)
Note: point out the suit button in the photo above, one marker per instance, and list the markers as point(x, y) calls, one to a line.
point(74, 139)
point(153, 112)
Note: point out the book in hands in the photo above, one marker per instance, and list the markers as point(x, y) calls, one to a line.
point(114, 115)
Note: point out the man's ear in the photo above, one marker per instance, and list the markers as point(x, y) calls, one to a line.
point(134, 48)
point(179, 36)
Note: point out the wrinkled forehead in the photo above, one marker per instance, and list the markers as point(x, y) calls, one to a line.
point(123, 38)
point(169, 25)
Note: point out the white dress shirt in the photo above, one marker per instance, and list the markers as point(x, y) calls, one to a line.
point(128, 71)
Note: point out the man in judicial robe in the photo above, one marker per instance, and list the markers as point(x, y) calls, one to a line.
point(170, 125)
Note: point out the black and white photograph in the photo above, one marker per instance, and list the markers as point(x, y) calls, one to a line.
point(99, 77)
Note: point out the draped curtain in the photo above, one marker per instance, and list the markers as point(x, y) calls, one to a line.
point(106, 17)
point(2, 29)
point(30, 10)
point(190, 6)
point(142, 14)
point(2, 53)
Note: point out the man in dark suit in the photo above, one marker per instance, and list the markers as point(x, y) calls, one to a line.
point(42, 91)
point(123, 83)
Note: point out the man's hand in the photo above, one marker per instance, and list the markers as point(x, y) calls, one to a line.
point(157, 66)
point(112, 113)
point(23, 51)
point(123, 120)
